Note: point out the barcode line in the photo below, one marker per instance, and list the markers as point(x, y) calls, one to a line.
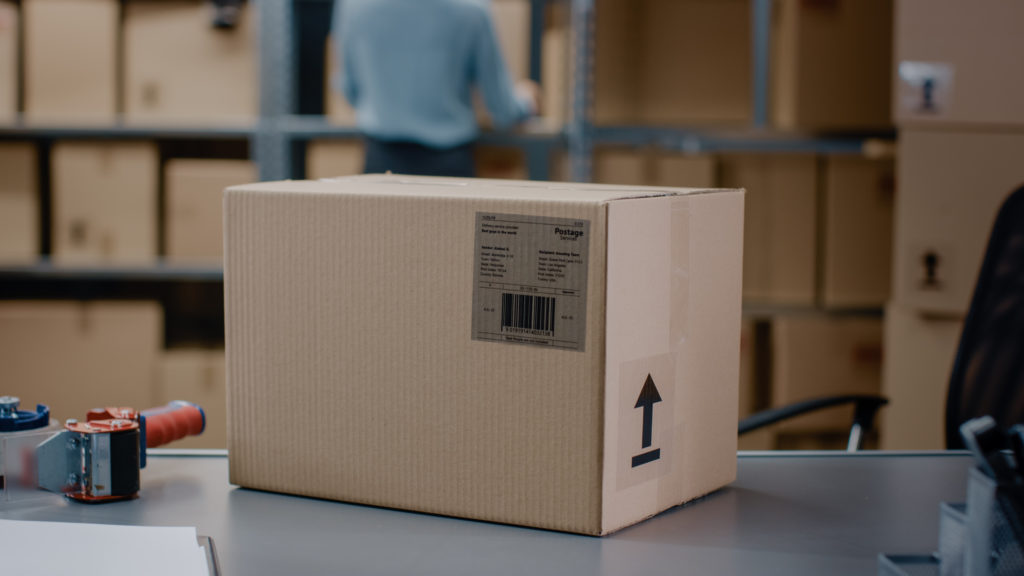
point(527, 312)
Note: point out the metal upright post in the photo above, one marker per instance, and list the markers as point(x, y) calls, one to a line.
point(537, 8)
point(272, 146)
point(761, 28)
point(580, 131)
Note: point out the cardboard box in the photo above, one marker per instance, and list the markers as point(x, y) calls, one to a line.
point(753, 394)
point(336, 107)
point(19, 203)
point(831, 65)
point(104, 202)
point(652, 64)
point(193, 189)
point(645, 167)
point(197, 376)
point(817, 355)
point(956, 63)
point(556, 69)
point(951, 187)
point(512, 24)
point(781, 230)
point(332, 158)
point(71, 60)
point(179, 68)
point(505, 163)
point(415, 382)
point(919, 354)
point(858, 222)
point(9, 41)
point(74, 356)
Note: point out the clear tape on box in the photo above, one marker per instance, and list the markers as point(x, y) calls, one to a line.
point(17, 453)
point(992, 549)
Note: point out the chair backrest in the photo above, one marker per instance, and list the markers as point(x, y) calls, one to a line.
point(988, 373)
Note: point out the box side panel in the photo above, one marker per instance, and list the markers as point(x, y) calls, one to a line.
point(19, 203)
point(674, 306)
point(193, 231)
point(352, 374)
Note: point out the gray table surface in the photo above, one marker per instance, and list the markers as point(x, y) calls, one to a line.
point(787, 513)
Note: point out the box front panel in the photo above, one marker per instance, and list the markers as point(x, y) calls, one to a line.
point(353, 374)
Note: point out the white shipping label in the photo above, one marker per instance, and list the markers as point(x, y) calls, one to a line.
point(530, 280)
point(926, 88)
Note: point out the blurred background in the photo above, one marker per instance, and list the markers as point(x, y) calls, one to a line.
point(876, 139)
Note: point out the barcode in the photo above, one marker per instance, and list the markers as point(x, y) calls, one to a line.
point(527, 312)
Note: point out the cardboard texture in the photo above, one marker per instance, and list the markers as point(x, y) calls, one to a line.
point(104, 202)
point(652, 66)
point(9, 51)
point(194, 229)
point(501, 163)
point(919, 354)
point(368, 296)
point(816, 355)
point(70, 60)
point(19, 203)
point(859, 203)
point(179, 68)
point(831, 65)
point(75, 356)
point(957, 63)
point(780, 229)
point(951, 187)
point(644, 167)
point(332, 158)
point(198, 376)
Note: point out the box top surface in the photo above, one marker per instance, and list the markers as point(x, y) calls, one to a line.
point(421, 186)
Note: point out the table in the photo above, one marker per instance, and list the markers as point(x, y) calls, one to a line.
point(787, 513)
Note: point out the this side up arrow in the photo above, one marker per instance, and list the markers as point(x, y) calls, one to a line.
point(649, 396)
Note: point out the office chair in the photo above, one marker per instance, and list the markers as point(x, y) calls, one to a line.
point(988, 372)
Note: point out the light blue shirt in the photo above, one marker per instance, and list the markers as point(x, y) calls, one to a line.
point(409, 68)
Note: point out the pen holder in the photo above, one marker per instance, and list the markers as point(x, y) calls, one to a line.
point(952, 538)
point(992, 549)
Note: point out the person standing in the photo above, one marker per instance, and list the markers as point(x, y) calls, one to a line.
point(409, 69)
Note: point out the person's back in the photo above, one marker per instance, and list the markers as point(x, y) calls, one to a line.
point(409, 67)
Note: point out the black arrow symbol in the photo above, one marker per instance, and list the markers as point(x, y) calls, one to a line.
point(648, 398)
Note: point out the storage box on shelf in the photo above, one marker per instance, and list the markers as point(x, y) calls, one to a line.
point(831, 65)
point(196, 375)
point(647, 167)
point(336, 107)
point(521, 424)
point(74, 356)
point(780, 226)
point(193, 189)
point(10, 30)
point(500, 162)
point(19, 203)
point(857, 240)
point(919, 353)
point(824, 355)
point(104, 202)
point(331, 158)
point(754, 393)
point(70, 60)
point(951, 186)
point(957, 63)
point(652, 64)
point(179, 68)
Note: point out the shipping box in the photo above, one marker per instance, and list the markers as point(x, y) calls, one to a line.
point(951, 186)
point(780, 230)
point(958, 63)
point(193, 229)
point(831, 65)
point(179, 68)
point(74, 356)
point(333, 158)
point(19, 203)
point(858, 221)
point(817, 355)
point(104, 202)
point(919, 353)
point(549, 355)
point(197, 376)
point(652, 61)
point(71, 60)
point(9, 51)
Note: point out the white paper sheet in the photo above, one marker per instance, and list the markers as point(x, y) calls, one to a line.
point(46, 548)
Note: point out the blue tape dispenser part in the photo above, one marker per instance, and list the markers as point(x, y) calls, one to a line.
point(14, 420)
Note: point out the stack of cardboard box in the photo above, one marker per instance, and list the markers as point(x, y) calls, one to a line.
point(961, 144)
